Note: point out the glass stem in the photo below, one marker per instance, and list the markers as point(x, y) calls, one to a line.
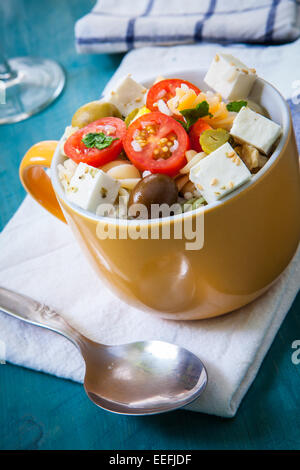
point(6, 72)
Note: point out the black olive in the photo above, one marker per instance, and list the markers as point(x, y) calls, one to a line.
point(154, 189)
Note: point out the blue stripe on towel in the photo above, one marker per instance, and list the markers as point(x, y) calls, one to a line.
point(155, 39)
point(149, 8)
point(199, 25)
point(271, 21)
point(130, 33)
point(130, 28)
point(161, 39)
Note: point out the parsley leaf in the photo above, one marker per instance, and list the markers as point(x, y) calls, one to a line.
point(192, 115)
point(236, 106)
point(98, 140)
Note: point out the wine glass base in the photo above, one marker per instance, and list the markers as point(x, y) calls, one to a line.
point(35, 83)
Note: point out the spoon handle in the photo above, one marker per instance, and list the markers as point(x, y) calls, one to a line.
point(29, 310)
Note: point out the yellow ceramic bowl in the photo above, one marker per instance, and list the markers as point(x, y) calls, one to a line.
point(249, 237)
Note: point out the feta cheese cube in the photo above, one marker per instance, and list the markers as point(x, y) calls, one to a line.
point(127, 96)
point(255, 129)
point(66, 171)
point(230, 77)
point(221, 172)
point(90, 187)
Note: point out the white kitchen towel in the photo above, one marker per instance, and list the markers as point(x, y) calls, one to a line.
point(120, 25)
point(39, 258)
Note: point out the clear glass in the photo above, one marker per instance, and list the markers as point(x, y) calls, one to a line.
point(27, 84)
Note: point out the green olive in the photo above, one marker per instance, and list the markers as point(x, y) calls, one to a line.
point(154, 189)
point(92, 111)
point(211, 139)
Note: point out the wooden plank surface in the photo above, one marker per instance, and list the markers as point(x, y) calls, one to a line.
point(38, 411)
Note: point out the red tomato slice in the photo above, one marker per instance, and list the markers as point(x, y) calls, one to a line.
point(110, 126)
point(166, 89)
point(157, 143)
point(195, 132)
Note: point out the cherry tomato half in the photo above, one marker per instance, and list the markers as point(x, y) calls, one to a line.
point(157, 143)
point(79, 152)
point(195, 132)
point(166, 89)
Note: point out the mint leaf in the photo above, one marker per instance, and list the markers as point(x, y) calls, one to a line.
point(236, 106)
point(98, 140)
point(192, 115)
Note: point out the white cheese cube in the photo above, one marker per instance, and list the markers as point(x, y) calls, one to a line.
point(90, 187)
point(66, 171)
point(255, 129)
point(127, 96)
point(221, 172)
point(230, 77)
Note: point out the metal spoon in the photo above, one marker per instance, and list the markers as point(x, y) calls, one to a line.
point(141, 378)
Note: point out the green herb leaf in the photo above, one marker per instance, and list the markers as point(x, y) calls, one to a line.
point(192, 115)
point(183, 123)
point(98, 140)
point(236, 106)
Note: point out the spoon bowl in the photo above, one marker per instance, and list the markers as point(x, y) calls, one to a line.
point(141, 378)
point(144, 377)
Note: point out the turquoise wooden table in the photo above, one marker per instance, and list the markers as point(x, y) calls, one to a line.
point(38, 411)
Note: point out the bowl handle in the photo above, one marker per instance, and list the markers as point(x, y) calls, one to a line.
point(34, 178)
